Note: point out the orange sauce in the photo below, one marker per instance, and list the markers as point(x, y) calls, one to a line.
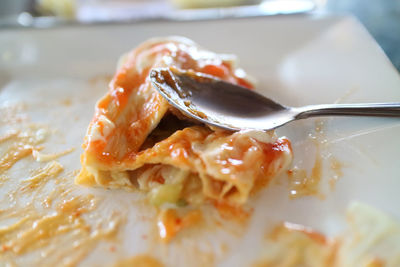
point(41, 157)
point(231, 212)
point(169, 223)
point(128, 81)
point(14, 154)
point(42, 176)
point(302, 184)
point(36, 230)
point(23, 143)
point(142, 260)
point(8, 136)
point(244, 83)
point(42, 214)
point(312, 234)
point(270, 153)
point(220, 71)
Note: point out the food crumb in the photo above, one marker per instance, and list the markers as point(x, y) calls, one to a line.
point(66, 102)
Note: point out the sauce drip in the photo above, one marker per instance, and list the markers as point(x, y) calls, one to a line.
point(308, 183)
point(63, 220)
point(169, 223)
point(21, 144)
point(139, 261)
point(41, 157)
point(42, 215)
point(302, 184)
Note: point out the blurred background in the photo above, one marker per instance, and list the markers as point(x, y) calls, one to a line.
point(380, 17)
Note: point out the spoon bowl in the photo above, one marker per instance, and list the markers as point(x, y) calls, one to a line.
point(218, 103)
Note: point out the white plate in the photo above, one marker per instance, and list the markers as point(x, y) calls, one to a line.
point(297, 60)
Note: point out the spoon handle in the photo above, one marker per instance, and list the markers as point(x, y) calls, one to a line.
point(368, 109)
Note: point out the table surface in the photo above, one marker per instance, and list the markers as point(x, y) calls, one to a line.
point(380, 17)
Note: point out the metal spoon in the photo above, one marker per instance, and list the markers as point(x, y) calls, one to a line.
point(232, 107)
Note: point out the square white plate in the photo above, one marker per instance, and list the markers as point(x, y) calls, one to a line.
point(296, 60)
